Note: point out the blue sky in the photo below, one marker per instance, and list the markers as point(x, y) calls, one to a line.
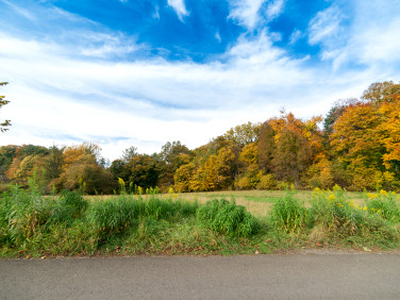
point(124, 73)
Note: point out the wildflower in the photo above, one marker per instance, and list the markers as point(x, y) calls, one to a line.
point(365, 208)
point(383, 192)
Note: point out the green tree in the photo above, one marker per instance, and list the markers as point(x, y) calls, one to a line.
point(6, 123)
point(171, 158)
point(54, 163)
point(143, 171)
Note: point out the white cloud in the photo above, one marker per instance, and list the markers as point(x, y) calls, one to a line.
point(274, 9)
point(62, 93)
point(295, 36)
point(364, 38)
point(252, 13)
point(246, 12)
point(179, 7)
point(326, 27)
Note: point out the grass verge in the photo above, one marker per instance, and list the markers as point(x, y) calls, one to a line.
point(70, 224)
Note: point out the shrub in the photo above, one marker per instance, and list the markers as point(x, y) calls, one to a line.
point(267, 182)
point(226, 217)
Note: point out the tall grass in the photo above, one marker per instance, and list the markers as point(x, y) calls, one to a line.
point(289, 214)
point(385, 205)
point(226, 217)
point(69, 224)
point(24, 212)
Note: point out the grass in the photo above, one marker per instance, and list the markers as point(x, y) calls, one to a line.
point(197, 223)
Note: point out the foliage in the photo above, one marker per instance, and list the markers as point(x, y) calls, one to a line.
point(6, 123)
point(267, 182)
point(357, 149)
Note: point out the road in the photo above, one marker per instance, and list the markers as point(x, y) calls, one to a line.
point(296, 276)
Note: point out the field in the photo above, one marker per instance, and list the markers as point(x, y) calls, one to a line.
point(236, 222)
point(257, 202)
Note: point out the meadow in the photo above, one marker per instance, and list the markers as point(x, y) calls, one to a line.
point(224, 223)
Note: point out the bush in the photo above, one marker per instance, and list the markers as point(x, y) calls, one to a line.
point(289, 214)
point(226, 217)
point(267, 182)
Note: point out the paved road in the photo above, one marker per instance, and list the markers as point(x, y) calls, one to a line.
point(299, 276)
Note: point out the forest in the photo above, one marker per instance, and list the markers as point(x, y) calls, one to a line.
point(355, 146)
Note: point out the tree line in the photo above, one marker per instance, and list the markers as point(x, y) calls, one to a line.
point(356, 146)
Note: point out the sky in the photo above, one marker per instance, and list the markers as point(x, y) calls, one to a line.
point(122, 73)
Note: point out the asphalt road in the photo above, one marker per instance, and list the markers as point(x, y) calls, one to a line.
point(298, 276)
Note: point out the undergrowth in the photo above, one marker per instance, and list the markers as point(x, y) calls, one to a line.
point(35, 225)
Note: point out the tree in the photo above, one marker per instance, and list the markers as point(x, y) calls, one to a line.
point(296, 145)
point(54, 163)
point(142, 171)
point(338, 108)
point(128, 154)
point(365, 139)
point(243, 134)
point(379, 92)
point(6, 123)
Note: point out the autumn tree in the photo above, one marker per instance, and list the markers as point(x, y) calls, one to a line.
point(365, 139)
point(297, 144)
point(380, 92)
point(27, 160)
point(7, 154)
point(82, 170)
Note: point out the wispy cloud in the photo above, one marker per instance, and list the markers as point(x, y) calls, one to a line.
point(274, 9)
point(326, 26)
point(253, 13)
point(246, 12)
point(364, 39)
point(21, 11)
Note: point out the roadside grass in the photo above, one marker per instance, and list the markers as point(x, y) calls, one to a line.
point(71, 224)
